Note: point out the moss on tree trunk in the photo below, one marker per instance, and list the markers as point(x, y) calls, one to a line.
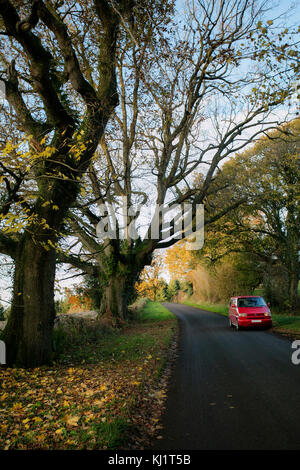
point(28, 335)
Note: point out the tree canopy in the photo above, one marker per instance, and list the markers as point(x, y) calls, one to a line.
point(261, 236)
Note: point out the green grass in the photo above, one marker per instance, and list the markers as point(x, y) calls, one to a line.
point(111, 434)
point(155, 312)
point(286, 322)
point(259, 291)
point(107, 347)
point(217, 308)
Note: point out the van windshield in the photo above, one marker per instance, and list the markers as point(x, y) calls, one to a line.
point(251, 302)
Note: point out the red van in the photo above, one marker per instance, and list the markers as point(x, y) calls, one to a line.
point(249, 310)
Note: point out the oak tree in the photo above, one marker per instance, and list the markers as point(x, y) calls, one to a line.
point(58, 66)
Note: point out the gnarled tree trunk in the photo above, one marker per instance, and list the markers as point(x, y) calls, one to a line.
point(114, 300)
point(28, 335)
point(117, 286)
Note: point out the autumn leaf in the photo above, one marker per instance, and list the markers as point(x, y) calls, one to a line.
point(72, 420)
point(46, 404)
point(98, 402)
point(59, 431)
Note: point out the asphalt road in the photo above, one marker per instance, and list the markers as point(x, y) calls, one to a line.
point(230, 390)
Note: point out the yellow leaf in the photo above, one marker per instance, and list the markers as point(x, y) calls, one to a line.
point(97, 402)
point(72, 420)
point(70, 442)
point(59, 431)
point(89, 417)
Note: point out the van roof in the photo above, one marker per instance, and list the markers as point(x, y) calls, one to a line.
point(245, 296)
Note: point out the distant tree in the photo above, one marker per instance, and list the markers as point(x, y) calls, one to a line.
point(216, 279)
point(150, 283)
point(267, 226)
point(78, 299)
point(61, 306)
point(92, 289)
point(187, 287)
point(173, 288)
point(162, 292)
point(179, 261)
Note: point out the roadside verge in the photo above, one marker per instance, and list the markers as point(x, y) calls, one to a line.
point(105, 390)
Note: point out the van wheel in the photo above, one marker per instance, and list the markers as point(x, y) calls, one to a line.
point(237, 326)
point(230, 323)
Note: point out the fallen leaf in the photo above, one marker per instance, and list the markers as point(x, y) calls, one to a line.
point(72, 420)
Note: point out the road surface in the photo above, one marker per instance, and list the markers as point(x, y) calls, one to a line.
point(230, 390)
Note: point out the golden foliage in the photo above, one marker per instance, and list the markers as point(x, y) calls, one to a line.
point(179, 261)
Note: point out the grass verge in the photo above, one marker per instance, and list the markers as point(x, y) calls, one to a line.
point(286, 324)
point(103, 392)
point(154, 312)
point(216, 308)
